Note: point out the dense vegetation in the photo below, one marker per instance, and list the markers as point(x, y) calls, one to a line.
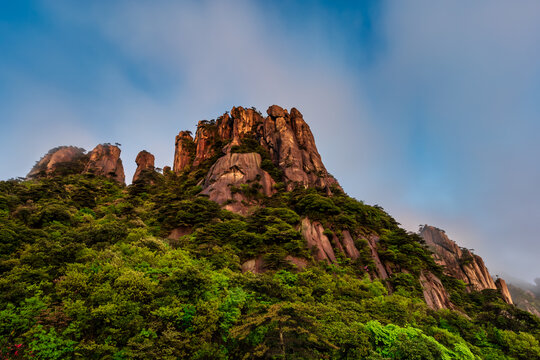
point(87, 272)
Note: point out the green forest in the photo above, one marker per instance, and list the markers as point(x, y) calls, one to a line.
point(87, 271)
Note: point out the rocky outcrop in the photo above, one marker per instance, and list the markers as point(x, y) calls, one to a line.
point(434, 292)
point(382, 273)
point(283, 139)
point(503, 289)
point(317, 241)
point(205, 141)
point(461, 263)
point(183, 151)
point(458, 262)
point(56, 159)
point(258, 265)
point(290, 142)
point(105, 160)
point(235, 179)
point(145, 163)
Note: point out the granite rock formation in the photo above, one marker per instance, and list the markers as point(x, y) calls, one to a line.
point(503, 289)
point(434, 292)
point(458, 262)
point(145, 163)
point(234, 177)
point(281, 140)
point(55, 159)
point(183, 149)
point(105, 160)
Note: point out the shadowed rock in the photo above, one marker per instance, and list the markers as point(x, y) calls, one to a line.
point(317, 241)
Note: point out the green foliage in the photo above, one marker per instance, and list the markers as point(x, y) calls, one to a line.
point(87, 272)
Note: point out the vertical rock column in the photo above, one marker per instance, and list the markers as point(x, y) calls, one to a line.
point(145, 162)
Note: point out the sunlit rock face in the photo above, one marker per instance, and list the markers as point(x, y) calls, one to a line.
point(503, 289)
point(234, 177)
point(182, 151)
point(280, 140)
point(459, 262)
point(105, 160)
point(145, 163)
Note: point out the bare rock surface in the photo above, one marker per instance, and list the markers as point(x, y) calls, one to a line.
point(258, 265)
point(54, 159)
point(231, 177)
point(284, 139)
point(145, 162)
point(313, 233)
point(434, 292)
point(105, 160)
point(503, 289)
point(348, 245)
point(182, 151)
point(458, 262)
point(380, 268)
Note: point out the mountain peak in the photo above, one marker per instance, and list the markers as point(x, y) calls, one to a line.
point(281, 145)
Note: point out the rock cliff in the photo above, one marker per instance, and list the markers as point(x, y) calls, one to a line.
point(105, 160)
point(145, 163)
point(460, 263)
point(280, 142)
point(183, 151)
point(235, 180)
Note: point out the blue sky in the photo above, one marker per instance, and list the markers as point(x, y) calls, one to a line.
point(428, 109)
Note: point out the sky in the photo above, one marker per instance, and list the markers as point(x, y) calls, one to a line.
point(428, 109)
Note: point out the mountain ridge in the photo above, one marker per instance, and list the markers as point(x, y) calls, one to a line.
point(234, 148)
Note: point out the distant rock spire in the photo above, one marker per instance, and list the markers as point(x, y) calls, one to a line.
point(145, 163)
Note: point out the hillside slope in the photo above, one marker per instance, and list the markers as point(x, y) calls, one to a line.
point(246, 248)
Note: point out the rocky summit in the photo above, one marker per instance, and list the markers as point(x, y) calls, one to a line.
point(103, 160)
